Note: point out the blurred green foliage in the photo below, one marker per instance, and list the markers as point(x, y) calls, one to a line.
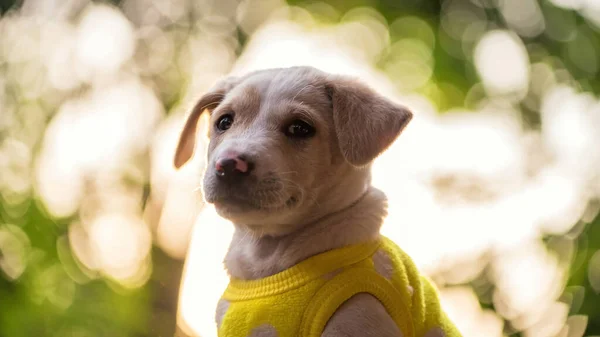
point(457, 67)
point(46, 301)
point(586, 300)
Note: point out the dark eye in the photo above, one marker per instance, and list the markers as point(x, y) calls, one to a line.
point(224, 122)
point(299, 129)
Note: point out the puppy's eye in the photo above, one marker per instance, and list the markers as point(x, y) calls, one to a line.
point(224, 122)
point(299, 129)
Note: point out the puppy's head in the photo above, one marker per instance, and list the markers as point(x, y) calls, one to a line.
point(288, 146)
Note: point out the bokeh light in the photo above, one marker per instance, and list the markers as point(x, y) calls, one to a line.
point(493, 189)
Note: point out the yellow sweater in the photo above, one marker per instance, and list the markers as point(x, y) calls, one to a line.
point(299, 301)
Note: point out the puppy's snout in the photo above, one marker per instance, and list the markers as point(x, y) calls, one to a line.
point(233, 166)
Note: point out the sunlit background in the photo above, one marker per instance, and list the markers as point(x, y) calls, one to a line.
point(494, 187)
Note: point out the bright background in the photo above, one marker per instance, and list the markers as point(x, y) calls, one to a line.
point(494, 187)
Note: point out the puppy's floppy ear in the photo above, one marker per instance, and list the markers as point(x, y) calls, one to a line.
point(366, 123)
point(210, 100)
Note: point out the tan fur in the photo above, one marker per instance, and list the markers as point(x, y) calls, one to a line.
point(362, 315)
point(304, 197)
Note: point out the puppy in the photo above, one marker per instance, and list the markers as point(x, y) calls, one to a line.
point(289, 164)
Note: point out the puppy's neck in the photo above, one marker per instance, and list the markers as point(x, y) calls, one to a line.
point(250, 257)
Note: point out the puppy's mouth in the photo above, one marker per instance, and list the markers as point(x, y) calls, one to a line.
point(265, 195)
point(237, 204)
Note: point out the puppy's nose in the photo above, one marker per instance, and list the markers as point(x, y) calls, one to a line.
point(233, 166)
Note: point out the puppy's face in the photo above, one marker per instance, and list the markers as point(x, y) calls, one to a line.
point(288, 146)
point(275, 133)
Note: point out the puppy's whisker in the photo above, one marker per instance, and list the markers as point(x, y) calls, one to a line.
point(313, 197)
point(288, 173)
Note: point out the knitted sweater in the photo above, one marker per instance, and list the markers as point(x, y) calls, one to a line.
point(300, 300)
